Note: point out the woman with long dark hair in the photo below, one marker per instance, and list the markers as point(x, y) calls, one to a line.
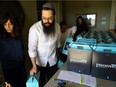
point(11, 50)
point(81, 26)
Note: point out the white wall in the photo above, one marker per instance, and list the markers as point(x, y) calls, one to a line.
point(58, 8)
point(112, 16)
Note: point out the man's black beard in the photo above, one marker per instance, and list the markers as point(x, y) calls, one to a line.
point(49, 30)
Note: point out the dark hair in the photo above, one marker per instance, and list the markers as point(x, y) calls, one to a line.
point(83, 22)
point(62, 23)
point(3, 19)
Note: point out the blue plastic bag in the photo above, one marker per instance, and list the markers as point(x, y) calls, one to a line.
point(33, 81)
point(60, 63)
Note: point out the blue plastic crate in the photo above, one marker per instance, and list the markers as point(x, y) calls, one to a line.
point(81, 46)
point(68, 41)
point(107, 45)
point(87, 40)
point(105, 49)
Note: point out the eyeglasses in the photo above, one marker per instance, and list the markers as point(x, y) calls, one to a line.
point(47, 19)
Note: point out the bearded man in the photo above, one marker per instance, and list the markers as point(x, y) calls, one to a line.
point(44, 39)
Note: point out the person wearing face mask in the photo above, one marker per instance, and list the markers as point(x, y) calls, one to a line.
point(11, 50)
point(81, 26)
point(43, 41)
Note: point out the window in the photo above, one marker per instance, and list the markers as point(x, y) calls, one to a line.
point(90, 19)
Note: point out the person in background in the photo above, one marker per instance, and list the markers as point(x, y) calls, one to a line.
point(64, 35)
point(11, 50)
point(63, 26)
point(67, 31)
point(43, 41)
point(81, 26)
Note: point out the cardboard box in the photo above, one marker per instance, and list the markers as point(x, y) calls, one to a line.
point(79, 61)
point(104, 65)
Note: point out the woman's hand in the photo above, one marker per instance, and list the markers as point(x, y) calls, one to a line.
point(7, 84)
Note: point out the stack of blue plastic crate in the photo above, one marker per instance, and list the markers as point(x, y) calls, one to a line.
point(101, 41)
point(82, 42)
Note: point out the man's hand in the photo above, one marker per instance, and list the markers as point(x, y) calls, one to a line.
point(34, 67)
point(33, 70)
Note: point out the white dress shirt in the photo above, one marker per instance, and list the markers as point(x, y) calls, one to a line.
point(72, 30)
point(43, 47)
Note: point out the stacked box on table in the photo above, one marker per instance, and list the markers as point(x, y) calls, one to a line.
point(79, 60)
point(104, 65)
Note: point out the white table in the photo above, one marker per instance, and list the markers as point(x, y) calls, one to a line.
point(100, 82)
